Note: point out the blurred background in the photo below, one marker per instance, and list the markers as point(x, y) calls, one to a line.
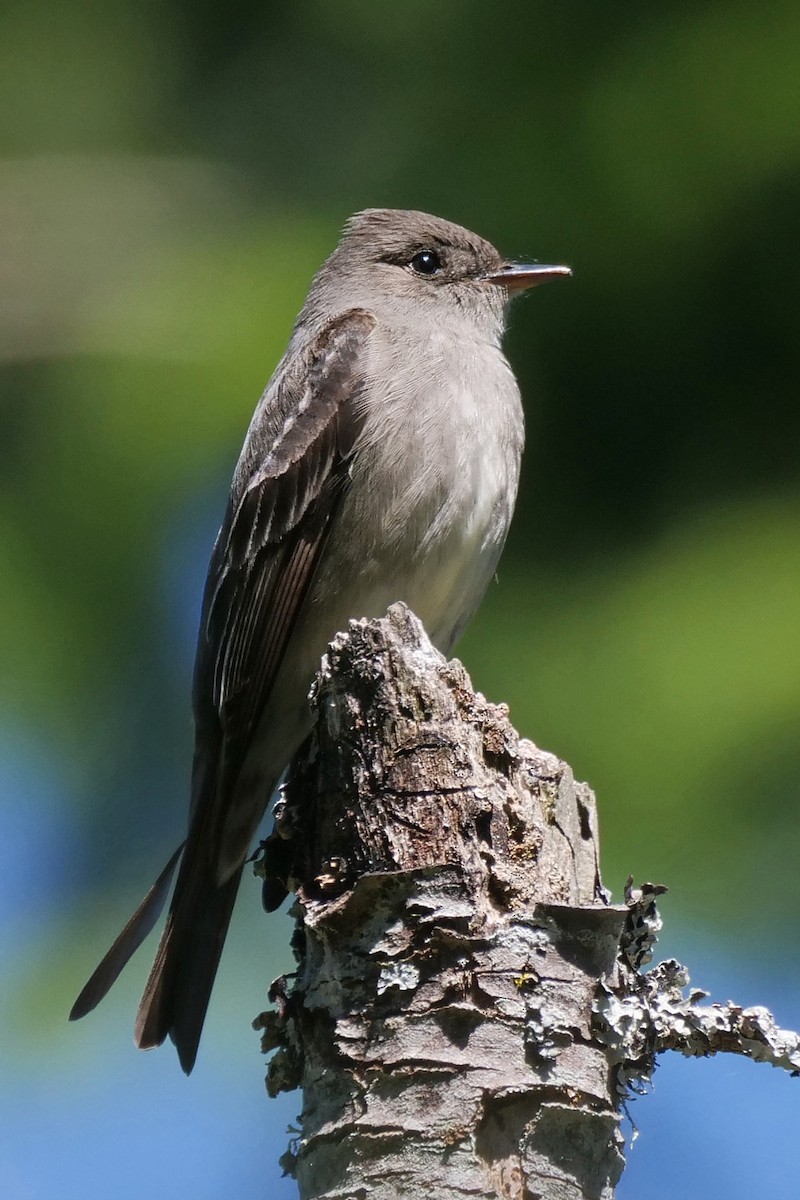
point(171, 176)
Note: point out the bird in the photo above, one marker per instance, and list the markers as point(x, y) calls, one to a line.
point(381, 464)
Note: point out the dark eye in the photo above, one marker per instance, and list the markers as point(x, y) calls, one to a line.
point(426, 262)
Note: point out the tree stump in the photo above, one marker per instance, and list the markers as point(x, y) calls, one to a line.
point(453, 929)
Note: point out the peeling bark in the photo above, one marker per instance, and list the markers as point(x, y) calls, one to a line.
point(469, 1013)
point(454, 929)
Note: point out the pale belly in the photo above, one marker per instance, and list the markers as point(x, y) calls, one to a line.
point(436, 551)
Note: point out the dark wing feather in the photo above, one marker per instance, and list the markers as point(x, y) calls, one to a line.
point(126, 943)
point(263, 563)
point(272, 537)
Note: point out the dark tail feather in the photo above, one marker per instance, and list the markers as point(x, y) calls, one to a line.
point(127, 943)
point(179, 987)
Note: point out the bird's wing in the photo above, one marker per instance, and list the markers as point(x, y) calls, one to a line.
point(263, 562)
point(269, 545)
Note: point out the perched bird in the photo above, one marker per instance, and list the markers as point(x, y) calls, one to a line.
point(381, 464)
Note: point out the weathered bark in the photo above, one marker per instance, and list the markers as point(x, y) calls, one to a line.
point(455, 929)
point(468, 1013)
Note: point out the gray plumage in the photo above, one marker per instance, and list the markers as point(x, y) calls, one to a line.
point(381, 464)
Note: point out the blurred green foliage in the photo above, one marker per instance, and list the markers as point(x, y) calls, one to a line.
point(172, 175)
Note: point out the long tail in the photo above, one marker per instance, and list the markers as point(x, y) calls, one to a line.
point(179, 987)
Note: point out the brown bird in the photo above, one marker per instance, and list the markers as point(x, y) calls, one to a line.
point(381, 464)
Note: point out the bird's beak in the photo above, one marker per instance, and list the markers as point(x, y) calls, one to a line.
point(516, 276)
